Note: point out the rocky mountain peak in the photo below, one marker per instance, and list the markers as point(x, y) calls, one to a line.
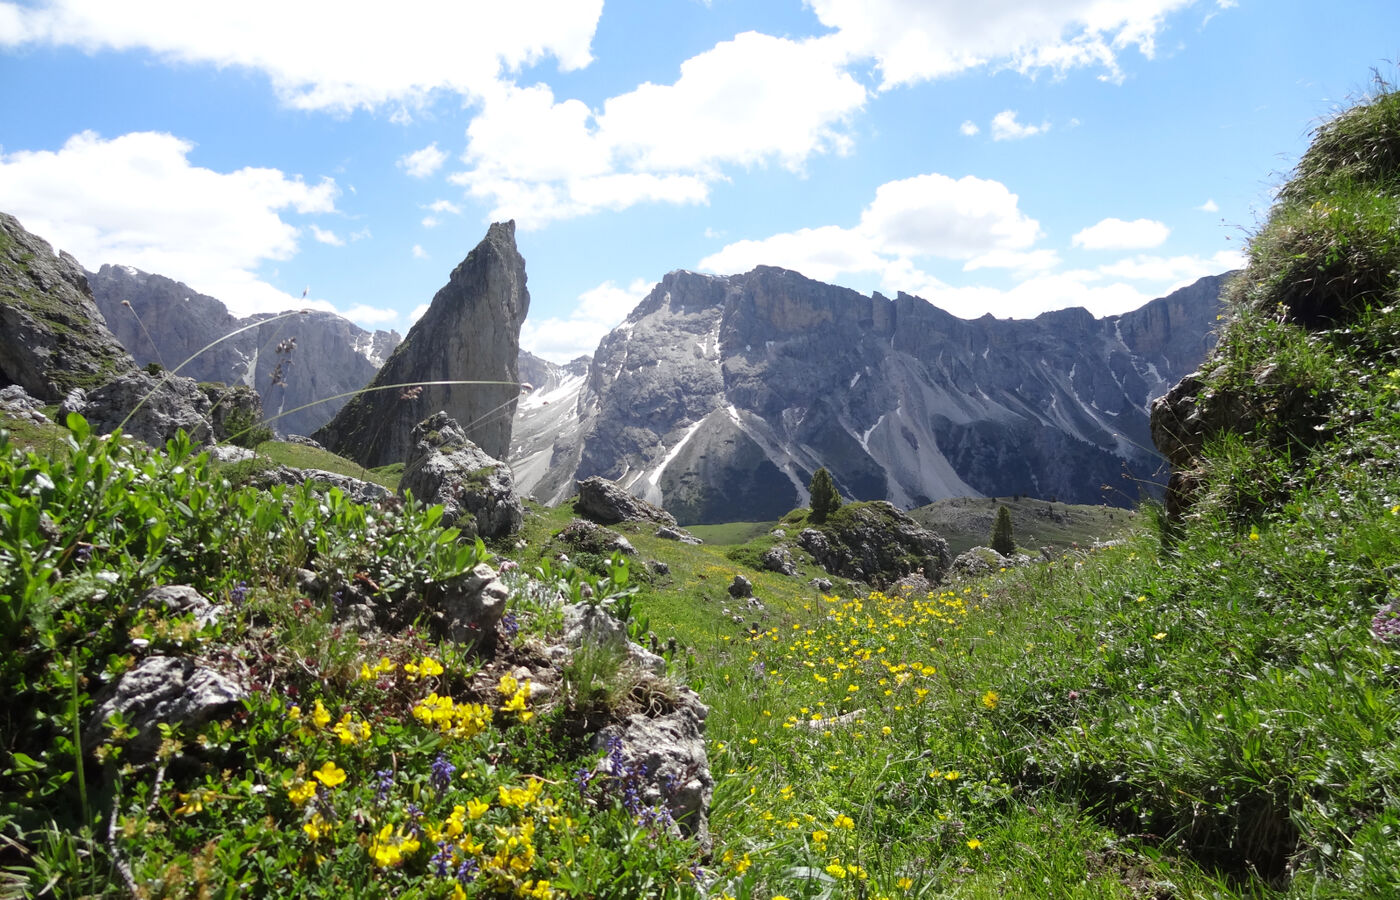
point(471, 332)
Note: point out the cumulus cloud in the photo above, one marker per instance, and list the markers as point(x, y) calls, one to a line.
point(1116, 234)
point(137, 200)
point(327, 237)
point(1209, 206)
point(969, 129)
point(915, 40)
point(419, 252)
point(754, 100)
point(422, 163)
point(1006, 128)
point(599, 310)
point(445, 206)
point(319, 54)
point(370, 315)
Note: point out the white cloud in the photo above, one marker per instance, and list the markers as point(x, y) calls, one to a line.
point(417, 312)
point(323, 54)
point(751, 101)
point(445, 206)
point(327, 237)
point(369, 316)
point(969, 128)
point(1116, 234)
point(422, 163)
point(598, 311)
point(1031, 261)
point(925, 216)
point(419, 252)
point(430, 222)
point(1175, 269)
point(1209, 206)
point(137, 200)
point(916, 40)
point(1006, 128)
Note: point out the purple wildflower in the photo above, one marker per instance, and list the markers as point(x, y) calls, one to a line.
point(442, 772)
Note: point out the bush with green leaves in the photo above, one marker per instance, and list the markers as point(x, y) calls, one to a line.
point(825, 498)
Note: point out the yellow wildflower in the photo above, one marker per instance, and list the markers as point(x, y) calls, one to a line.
point(319, 716)
point(317, 828)
point(329, 774)
point(973, 844)
point(843, 821)
point(990, 699)
point(301, 793)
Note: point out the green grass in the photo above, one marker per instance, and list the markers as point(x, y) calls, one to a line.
point(301, 456)
point(732, 533)
point(967, 522)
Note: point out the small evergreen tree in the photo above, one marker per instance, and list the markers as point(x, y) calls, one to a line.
point(825, 499)
point(1002, 540)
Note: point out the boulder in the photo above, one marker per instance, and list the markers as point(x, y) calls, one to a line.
point(477, 491)
point(586, 537)
point(163, 690)
point(876, 543)
point(976, 563)
point(604, 502)
point(468, 608)
point(779, 559)
point(669, 533)
point(15, 401)
point(181, 599)
point(150, 408)
point(740, 587)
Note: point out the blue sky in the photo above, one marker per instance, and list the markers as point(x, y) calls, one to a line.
point(1003, 157)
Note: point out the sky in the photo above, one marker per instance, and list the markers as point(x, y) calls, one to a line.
point(994, 157)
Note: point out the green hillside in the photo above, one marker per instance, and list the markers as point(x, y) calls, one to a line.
point(966, 522)
point(1210, 708)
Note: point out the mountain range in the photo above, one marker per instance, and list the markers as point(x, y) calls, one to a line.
point(719, 396)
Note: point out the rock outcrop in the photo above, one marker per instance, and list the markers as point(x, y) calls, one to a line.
point(471, 332)
point(52, 335)
point(720, 396)
point(150, 408)
point(876, 543)
point(476, 491)
point(291, 361)
point(607, 504)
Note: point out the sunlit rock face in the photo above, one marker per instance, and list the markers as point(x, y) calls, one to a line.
point(718, 398)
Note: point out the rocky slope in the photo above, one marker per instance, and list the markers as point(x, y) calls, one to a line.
point(52, 337)
point(291, 362)
point(719, 396)
point(471, 332)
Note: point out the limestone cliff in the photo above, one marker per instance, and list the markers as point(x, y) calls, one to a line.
point(719, 396)
point(52, 335)
point(470, 333)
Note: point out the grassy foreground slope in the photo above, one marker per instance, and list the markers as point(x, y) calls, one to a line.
point(1210, 709)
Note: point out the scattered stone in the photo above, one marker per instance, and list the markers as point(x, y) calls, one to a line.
point(19, 403)
point(230, 453)
point(476, 491)
point(585, 623)
point(468, 608)
point(163, 690)
point(779, 559)
point(659, 567)
point(740, 587)
point(303, 441)
point(607, 504)
point(358, 491)
point(670, 533)
point(821, 584)
point(913, 584)
point(181, 599)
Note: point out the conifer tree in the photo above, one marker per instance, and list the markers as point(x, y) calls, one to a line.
point(825, 499)
point(1002, 540)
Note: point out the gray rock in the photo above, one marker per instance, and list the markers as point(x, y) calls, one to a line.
point(877, 544)
point(307, 358)
point(670, 749)
point(669, 533)
point(585, 624)
point(181, 599)
point(52, 335)
point(821, 584)
point(779, 559)
point(740, 587)
point(230, 453)
point(659, 567)
point(607, 504)
point(477, 492)
point(976, 563)
point(358, 491)
point(470, 333)
point(17, 402)
point(467, 609)
point(146, 407)
point(163, 690)
point(303, 440)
